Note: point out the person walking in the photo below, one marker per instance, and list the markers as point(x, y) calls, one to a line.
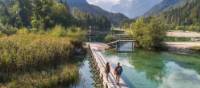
point(107, 70)
point(118, 72)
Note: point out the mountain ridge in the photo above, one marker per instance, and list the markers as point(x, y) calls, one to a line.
point(83, 5)
point(188, 14)
point(165, 5)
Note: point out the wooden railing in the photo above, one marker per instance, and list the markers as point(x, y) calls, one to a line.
point(100, 63)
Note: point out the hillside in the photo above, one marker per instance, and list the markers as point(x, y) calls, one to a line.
point(82, 5)
point(184, 15)
point(165, 5)
point(189, 14)
point(26, 13)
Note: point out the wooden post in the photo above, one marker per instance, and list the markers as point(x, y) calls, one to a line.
point(100, 62)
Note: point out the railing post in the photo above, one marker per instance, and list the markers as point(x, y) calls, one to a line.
point(99, 62)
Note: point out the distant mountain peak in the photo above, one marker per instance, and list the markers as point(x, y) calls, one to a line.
point(130, 8)
point(84, 6)
point(164, 6)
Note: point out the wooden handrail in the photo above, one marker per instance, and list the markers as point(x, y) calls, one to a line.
point(101, 64)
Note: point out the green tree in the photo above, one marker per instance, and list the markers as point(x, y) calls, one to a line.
point(85, 20)
point(148, 34)
point(186, 15)
point(35, 13)
point(48, 13)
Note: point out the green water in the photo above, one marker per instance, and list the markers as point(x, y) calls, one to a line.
point(147, 69)
point(85, 80)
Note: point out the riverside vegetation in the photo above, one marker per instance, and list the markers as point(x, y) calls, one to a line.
point(39, 59)
point(38, 43)
point(149, 31)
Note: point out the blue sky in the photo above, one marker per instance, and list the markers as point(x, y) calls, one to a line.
point(130, 8)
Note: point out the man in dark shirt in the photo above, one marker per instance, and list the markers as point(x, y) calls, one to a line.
point(118, 72)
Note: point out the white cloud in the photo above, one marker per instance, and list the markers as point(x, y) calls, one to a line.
point(131, 8)
point(113, 2)
point(105, 4)
point(179, 77)
point(115, 59)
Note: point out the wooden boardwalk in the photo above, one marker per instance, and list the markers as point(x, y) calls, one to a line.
point(114, 42)
point(101, 63)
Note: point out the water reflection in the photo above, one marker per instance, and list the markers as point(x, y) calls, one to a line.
point(86, 80)
point(122, 58)
point(146, 69)
point(178, 77)
point(150, 62)
point(186, 61)
point(127, 46)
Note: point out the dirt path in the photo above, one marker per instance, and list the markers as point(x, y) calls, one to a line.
point(183, 34)
point(183, 45)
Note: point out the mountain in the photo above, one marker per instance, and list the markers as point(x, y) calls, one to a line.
point(82, 5)
point(130, 8)
point(165, 5)
point(188, 14)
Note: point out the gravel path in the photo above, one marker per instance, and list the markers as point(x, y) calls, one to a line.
point(183, 34)
point(183, 45)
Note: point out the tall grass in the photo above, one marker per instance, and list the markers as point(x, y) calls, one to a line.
point(61, 77)
point(33, 52)
point(20, 52)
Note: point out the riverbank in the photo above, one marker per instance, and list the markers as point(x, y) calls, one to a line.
point(175, 47)
point(39, 60)
point(182, 47)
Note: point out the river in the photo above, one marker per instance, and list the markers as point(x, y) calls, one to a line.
point(147, 69)
point(86, 78)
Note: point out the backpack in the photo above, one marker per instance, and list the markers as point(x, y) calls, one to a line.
point(119, 70)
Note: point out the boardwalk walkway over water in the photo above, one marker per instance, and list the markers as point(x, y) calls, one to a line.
point(123, 45)
point(100, 63)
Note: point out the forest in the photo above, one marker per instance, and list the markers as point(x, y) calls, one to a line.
point(44, 14)
point(149, 32)
point(38, 39)
point(186, 17)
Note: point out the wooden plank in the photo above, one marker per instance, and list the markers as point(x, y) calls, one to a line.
point(101, 62)
point(111, 80)
point(120, 41)
point(112, 73)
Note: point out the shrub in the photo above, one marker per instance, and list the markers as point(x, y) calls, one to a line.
point(58, 31)
point(148, 34)
point(109, 38)
point(76, 34)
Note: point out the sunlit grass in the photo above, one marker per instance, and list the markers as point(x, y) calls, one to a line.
point(32, 50)
point(35, 56)
point(61, 77)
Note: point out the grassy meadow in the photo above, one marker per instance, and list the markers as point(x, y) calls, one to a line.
point(37, 59)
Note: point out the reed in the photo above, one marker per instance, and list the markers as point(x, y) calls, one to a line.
point(62, 77)
point(27, 53)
